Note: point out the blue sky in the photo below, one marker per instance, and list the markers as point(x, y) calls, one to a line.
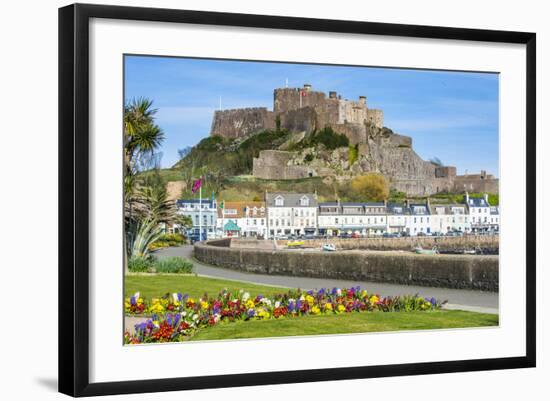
point(449, 115)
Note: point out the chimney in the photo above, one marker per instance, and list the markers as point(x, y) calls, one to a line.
point(467, 197)
point(307, 87)
point(362, 99)
point(406, 203)
point(332, 95)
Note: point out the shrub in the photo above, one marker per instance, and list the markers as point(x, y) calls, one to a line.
point(173, 265)
point(353, 154)
point(330, 139)
point(137, 264)
point(372, 187)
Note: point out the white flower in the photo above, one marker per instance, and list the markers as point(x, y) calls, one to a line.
point(195, 316)
point(302, 298)
point(246, 296)
point(291, 300)
point(136, 295)
point(277, 304)
point(338, 291)
point(175, 296)
point(184, 313)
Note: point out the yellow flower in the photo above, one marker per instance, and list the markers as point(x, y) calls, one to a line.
point(341, 308)
point(310, 300)
point(263, 314)
point(204, 305)
point(374, 299)
point(328, 306)
point(250, 304)
point(315, 310)
point(157, 308)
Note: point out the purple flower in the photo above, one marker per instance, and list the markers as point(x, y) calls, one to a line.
point(133, 300)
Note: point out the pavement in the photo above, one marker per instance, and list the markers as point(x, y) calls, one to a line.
point(471, 300)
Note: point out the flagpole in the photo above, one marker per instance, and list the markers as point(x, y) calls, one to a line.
point(200, 212)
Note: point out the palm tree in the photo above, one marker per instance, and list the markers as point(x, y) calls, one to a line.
point(141, 134)
point(141, 137)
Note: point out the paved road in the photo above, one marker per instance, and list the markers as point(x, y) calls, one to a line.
point(479, 301)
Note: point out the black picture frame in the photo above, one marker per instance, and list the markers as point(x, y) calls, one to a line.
point(74, 198)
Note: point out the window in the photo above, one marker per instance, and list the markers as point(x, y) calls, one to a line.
point(304, 201)
point(279, 201)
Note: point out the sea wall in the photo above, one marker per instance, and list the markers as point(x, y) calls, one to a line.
point(450, 271)
point(489, 242)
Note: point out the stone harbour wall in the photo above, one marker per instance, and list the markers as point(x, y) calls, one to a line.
point(449, 271)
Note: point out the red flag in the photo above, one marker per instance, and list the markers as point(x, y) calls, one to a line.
point(196, 185)
point(302, 93)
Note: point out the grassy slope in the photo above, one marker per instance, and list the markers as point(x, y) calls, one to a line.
point(156, 285)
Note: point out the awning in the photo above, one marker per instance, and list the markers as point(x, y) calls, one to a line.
point(231, 226)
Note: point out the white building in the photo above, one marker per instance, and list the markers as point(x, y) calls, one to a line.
point(449, 218)
point(358, 218)
point(249, 216)
point(203, 214)
point(480, 213)
point(397, 218)
point(291, 213)
point(495, 218)
point(419, 221)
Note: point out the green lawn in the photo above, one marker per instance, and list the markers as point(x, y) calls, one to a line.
point(157, 285)
point(347, 323)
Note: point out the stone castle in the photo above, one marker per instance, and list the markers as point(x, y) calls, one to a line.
point(302, 111)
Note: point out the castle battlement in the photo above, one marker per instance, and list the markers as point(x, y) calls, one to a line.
point(298, 109)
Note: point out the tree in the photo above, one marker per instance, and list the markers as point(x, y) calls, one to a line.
point(141, 135)
point(370, 187)
point(141, 138)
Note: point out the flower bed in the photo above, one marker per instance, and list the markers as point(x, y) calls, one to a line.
point(176, 317)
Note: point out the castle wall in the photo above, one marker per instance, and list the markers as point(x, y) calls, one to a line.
point(352, 112)
point(376, 117)
point(476, 184)
point(304, 119)
point(445, 171)
point(422, 187)
point(285, 99)
point(241, 122)
point(356, 133)
point(277, 165)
